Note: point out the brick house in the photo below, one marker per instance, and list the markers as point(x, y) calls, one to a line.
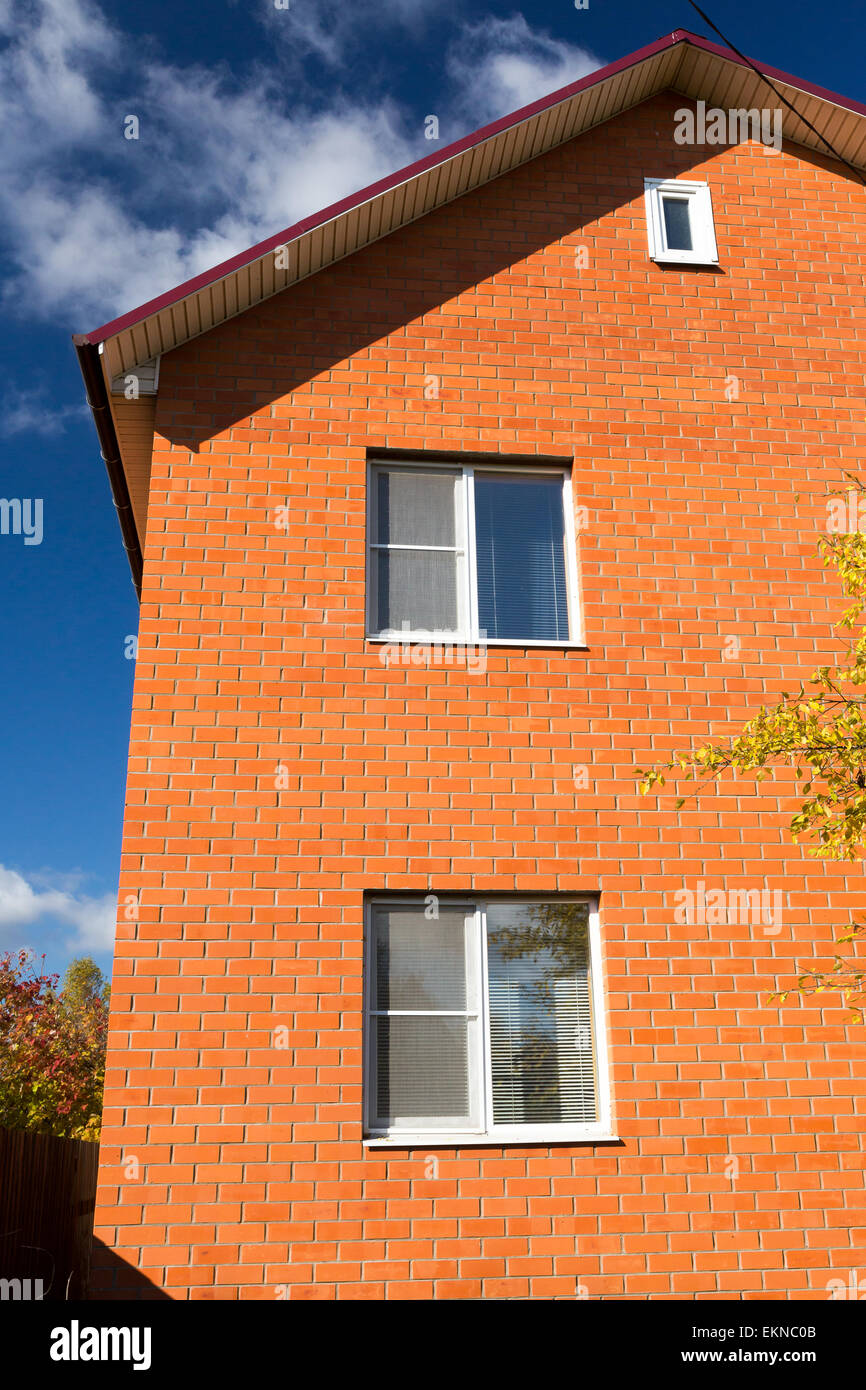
point(448, 507)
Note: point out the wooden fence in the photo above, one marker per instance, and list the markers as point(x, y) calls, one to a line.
point(47, 1196)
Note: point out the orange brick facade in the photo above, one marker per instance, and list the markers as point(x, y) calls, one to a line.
point(705, 413)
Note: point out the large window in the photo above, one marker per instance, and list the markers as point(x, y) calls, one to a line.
point(484, 1019)
point(471, 553)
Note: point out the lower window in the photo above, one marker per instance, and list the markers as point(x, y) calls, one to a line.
point(484, 1019)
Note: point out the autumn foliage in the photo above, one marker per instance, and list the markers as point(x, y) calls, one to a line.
point(52, 1047)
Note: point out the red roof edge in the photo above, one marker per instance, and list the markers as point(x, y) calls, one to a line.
point(307, 224)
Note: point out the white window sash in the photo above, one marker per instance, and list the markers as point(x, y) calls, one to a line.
point(472, 1015)
point(375, 547)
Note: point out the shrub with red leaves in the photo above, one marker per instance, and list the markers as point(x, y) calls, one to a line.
point(52, 1047)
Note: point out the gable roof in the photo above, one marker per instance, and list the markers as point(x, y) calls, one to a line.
point(684, 62)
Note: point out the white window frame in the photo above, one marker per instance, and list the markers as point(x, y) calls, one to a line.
point(697, 195)
point(467, 598)
point(479, 1057)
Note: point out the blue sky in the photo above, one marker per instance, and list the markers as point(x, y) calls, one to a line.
point(249, 117)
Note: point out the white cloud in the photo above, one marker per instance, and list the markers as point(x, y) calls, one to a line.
point(31, 412)
point(227, 158)
point(93, 919)
point(263, 166)
point(97, 224)
point(47, 98)
point(499, 65)
point(87, 254)
point(67, 880)
point(330, 28)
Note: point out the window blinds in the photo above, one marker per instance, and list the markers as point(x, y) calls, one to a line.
point(416, 550)
point(421, 1017)
point(520, 550)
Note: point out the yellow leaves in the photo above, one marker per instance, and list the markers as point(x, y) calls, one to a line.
point(649, 779)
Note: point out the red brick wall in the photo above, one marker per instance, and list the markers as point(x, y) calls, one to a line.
point(252, 1179)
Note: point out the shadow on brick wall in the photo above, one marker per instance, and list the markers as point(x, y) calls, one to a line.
point(279, 346)
point(113, 1278)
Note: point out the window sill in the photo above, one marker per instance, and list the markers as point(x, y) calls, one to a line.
point(422, 639)
point(510, 1139)
point(666, 259)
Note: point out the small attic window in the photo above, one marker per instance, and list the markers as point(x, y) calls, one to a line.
point(679, 220)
